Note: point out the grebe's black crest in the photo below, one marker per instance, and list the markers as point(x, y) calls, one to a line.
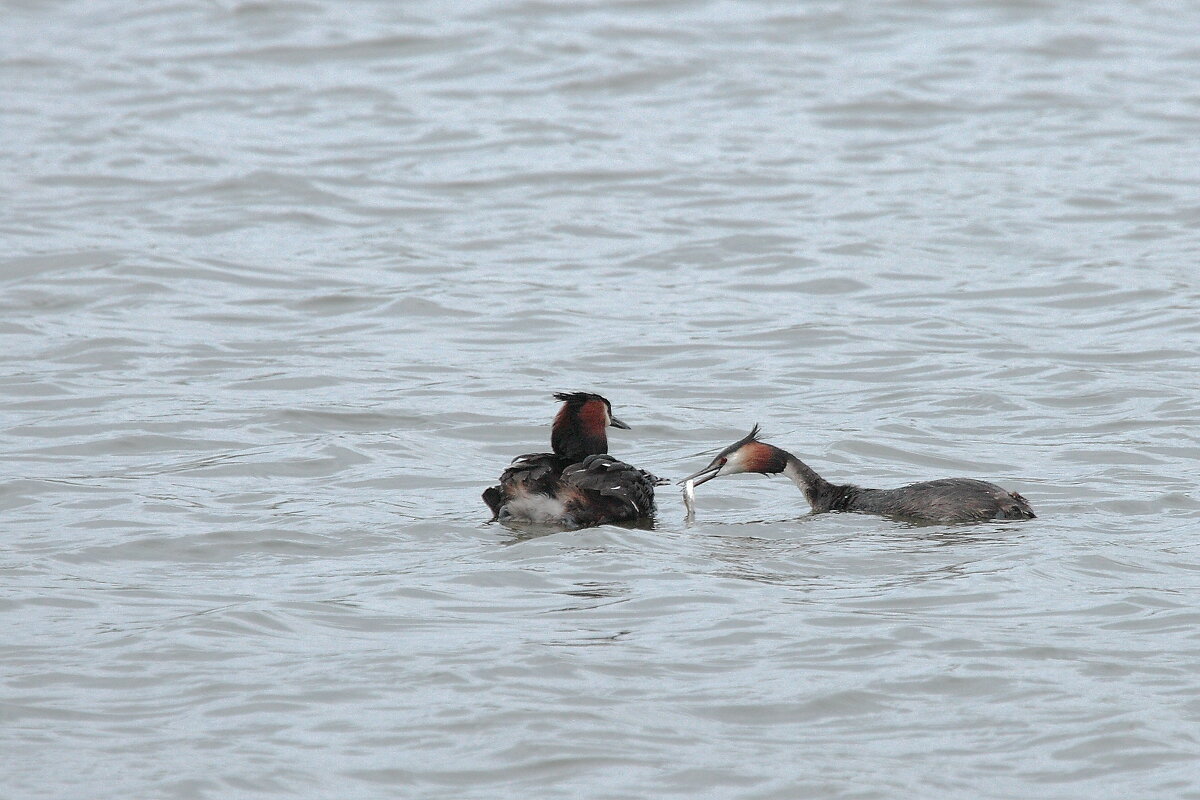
point(578, 484)
point(579, 398)
point(752, 436)
point(945, 500)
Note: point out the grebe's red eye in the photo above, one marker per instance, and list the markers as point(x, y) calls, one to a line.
point(724, 460)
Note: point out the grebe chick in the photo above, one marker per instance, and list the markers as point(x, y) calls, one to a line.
point(577, 485)
point(944, 500)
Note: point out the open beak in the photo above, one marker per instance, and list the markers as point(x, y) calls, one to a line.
point(616, 423)
point(706, 474)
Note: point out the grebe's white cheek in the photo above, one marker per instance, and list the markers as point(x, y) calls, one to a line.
point(733, 464)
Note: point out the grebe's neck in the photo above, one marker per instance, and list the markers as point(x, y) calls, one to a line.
point(820, 493)
point(579, 430)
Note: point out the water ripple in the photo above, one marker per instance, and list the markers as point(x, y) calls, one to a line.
point(286, 284)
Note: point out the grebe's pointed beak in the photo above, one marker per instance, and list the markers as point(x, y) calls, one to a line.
point(704, 475)
point(616, 423)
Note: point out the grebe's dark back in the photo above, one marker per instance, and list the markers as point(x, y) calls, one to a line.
point(578, 484)
point(944, 500)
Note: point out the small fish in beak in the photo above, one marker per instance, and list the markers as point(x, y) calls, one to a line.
point(689, 500)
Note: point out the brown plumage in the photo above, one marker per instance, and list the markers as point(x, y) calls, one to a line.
point(579, 428)
point(578, 484)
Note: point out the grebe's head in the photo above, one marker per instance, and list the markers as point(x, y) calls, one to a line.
point(745, 455)
point(578, 429)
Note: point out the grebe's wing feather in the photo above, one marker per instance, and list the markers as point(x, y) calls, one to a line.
point(534, 473)
point(609, 477)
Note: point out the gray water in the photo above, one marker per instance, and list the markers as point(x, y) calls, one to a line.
point(285, 285)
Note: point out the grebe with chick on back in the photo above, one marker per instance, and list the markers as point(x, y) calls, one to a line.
point(943, 500)
point(579, 484)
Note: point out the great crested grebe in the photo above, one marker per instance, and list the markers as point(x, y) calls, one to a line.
point(944, 500)
point(577, 485)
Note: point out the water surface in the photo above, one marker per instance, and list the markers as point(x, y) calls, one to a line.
point(286, 284)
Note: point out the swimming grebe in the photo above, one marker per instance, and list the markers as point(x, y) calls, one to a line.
point(577, 485)
point(945, 500)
